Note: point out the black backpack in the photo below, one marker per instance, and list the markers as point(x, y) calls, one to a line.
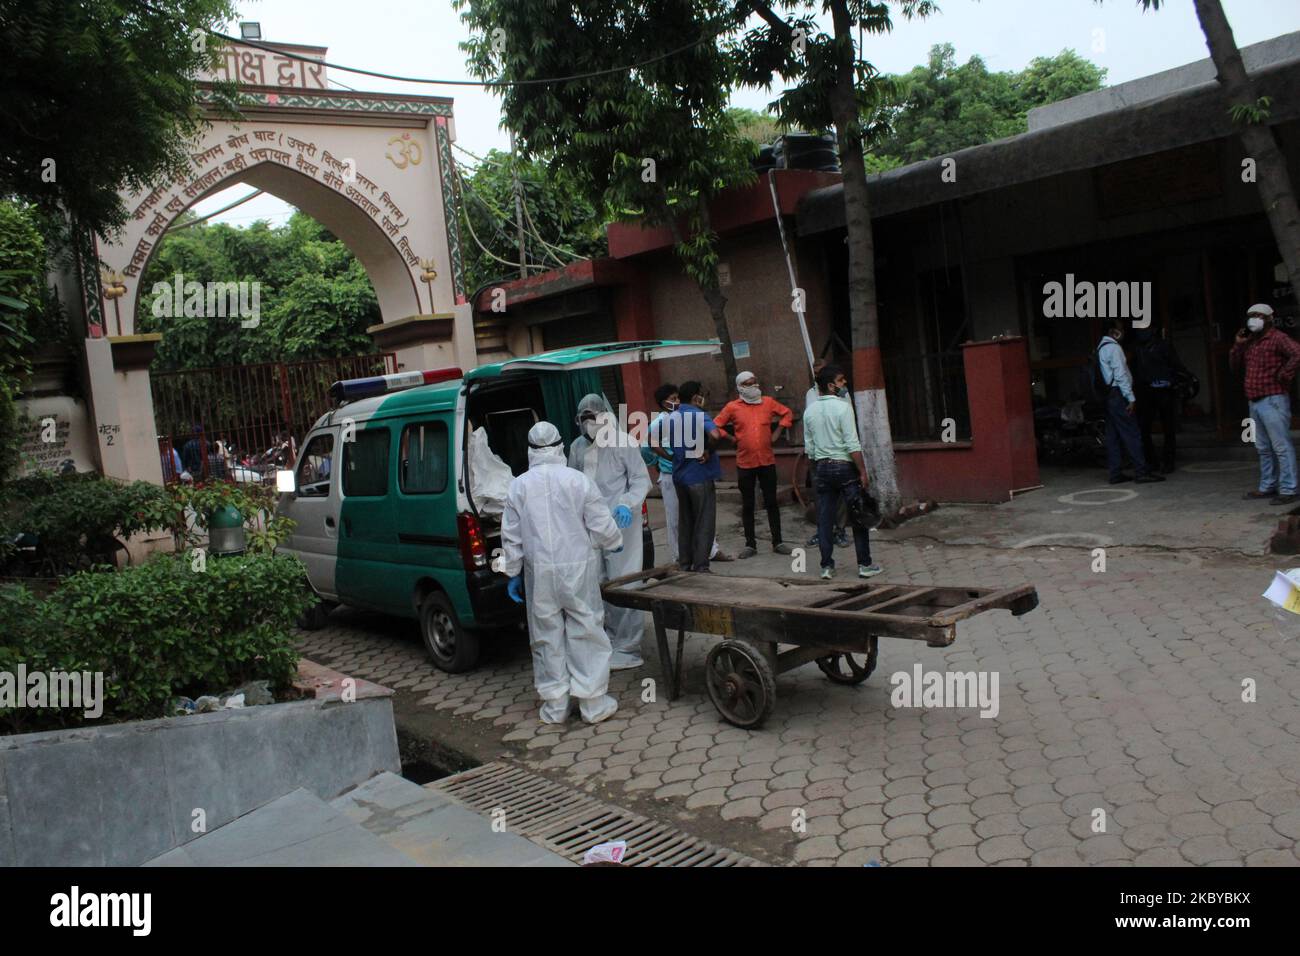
point(1092, 385)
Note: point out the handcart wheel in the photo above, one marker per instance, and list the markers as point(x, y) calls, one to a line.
point(850, 668)
point(741, 683)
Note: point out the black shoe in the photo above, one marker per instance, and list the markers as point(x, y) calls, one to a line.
point(1285, 499)
point(1147, 479)
point(1257, 495)
point(1120, 479)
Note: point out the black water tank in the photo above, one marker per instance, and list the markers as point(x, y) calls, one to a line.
point(806, 151)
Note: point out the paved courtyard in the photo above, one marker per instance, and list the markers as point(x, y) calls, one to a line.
point(1123, 693)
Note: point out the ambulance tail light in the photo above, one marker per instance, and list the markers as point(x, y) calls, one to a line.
point(349, 390)
point(473, 547)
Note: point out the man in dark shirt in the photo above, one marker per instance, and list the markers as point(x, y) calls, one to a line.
point(1156, 368)
point(1270, 358)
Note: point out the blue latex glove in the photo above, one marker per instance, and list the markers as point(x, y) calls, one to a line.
point(622, 516)
point(618, 550)
point(516, 589)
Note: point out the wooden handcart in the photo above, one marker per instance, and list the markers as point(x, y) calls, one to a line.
point(837, 624)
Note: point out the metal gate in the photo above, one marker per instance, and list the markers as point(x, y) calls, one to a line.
point(242, 422)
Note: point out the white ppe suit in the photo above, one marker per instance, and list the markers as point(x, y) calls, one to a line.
point(554, 519)
point(613, 461)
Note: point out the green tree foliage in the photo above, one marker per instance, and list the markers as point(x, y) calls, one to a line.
point(561, 224)
point(942, 106)
point(315, 298)
point(104, 89)
point(654, 142)
point(759, 128)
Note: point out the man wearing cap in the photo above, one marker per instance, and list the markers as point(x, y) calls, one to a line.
point(752, 417)
point(1270, 358)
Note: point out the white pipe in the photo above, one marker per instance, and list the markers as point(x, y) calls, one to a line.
point(789, 264)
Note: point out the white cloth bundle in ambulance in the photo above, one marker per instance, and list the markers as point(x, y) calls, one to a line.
point(489, 476)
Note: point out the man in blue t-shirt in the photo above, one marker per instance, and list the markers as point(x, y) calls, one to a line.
point(691, 435)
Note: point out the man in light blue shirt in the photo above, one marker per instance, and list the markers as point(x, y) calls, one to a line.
point(831, 441)
point(1122, 434)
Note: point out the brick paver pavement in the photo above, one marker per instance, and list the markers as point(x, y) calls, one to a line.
point(1121, 693)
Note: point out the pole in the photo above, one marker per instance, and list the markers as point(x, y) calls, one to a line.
point(519, 208)
point(789, 264)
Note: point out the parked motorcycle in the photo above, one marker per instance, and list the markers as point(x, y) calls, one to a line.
point(1073, 433)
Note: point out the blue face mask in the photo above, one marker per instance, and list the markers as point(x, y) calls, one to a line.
point(842, 392)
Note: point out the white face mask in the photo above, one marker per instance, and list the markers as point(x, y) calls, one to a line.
point(589, 429)
point(750, 394)
point(1254, 323)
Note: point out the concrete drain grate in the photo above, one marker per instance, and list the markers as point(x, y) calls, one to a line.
point(569, 822)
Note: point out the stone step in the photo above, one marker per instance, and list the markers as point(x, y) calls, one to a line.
point(432, 829)
point(297, 829)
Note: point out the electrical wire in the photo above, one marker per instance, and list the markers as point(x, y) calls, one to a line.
point(256, 44)
point(195, 222)
point(486, 251)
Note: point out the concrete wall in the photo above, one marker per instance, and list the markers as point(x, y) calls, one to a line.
point(1000, 457)
point(122, 794)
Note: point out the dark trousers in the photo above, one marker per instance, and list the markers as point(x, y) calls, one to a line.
point(836, 482)
point(765, 477)
point(697, 513)
point(1122, 435)
point(1159, 403)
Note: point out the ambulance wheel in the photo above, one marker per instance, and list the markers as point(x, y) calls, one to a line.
point(452, 648)
point(741, 683)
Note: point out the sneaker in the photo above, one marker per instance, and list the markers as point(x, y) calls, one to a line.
point(828, 573)
point(812, 542)
point(869, 570)
point(782, 548)
point(1120, 479)
point(1284, 499)
point(745, 552)
point(1148, 479)
point(841, 538)
point(1253, 495)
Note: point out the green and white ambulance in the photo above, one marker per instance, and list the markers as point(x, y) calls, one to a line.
point(397, 491)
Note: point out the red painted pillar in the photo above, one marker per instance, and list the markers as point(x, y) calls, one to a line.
point(634, 320)
point(1001, 413)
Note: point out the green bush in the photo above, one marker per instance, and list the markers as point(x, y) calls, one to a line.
point(79, 519)
point(158, 630)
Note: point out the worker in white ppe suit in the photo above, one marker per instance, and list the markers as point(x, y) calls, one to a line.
point(612, 460)
point(554, 521)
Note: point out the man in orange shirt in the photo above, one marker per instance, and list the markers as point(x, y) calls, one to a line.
point(756, 419)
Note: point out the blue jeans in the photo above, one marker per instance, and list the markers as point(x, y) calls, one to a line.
point(1122, 435)
point(838, 480)
point(1272, 416)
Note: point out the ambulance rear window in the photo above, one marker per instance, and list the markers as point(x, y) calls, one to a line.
point(422, 461)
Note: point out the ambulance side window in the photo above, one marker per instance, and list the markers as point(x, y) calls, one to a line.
point(423, 459)
point(314, 470)
point(365, 464)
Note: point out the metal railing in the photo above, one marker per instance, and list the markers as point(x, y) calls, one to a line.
point(241, 422)
point(924, 393)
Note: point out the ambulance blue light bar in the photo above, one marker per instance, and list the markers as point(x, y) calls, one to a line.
point(355, 388)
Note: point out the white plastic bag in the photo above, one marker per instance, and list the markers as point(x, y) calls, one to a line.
point(490, 477)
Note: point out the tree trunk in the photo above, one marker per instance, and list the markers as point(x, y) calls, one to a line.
point(868, 372)
point(1275, 191)
point(713, 297)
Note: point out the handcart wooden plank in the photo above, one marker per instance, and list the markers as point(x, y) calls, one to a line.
point(836, 624)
